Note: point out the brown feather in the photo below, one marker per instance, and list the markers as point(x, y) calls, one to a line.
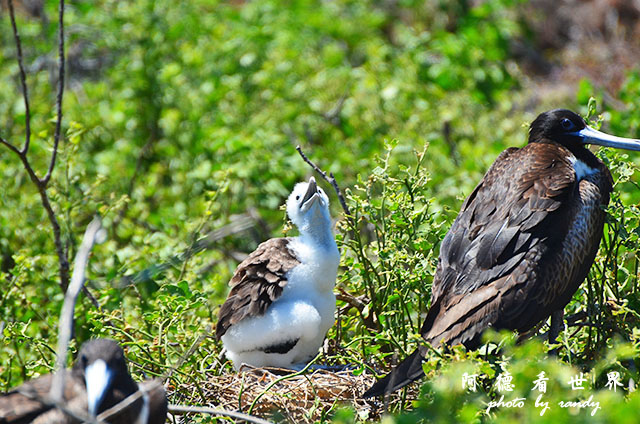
point(516, 252)
point(257, 282)
point(522, 243)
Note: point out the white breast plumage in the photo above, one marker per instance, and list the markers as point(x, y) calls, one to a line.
point(582, 169)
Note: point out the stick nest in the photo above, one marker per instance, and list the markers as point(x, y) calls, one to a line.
point(295, 398)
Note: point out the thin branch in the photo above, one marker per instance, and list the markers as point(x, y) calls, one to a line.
point(330, 179)
point(10, 146)
point(41, 184)
point(124, 403)
point(359, 305)
point(79, 416)
point(23, 80)
point(183, 409)
point(63, 260)
point(56, 136)
point(239, 224)
point(65, 326)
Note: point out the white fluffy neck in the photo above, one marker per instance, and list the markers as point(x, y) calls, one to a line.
point(320, 234)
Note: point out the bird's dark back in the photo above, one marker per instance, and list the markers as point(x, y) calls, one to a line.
point(499, 263)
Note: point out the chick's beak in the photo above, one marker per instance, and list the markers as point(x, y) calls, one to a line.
point(312, 189)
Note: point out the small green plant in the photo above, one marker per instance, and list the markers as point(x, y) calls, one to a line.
point(388, 248)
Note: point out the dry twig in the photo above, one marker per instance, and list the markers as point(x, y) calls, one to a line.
point(23, 79)
point(184, 409)
point(92, 235)
point(42, 183)
point(55, 396)
point(328, 178)
point(56, 135)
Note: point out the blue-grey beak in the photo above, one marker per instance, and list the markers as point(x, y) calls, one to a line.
point(592, 136)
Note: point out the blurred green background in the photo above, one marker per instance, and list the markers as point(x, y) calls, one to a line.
point(181, 121)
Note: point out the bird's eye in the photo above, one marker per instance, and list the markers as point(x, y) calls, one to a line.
point(566, 124)
point(297, 197)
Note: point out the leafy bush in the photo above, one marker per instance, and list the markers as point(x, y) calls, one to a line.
point(180, 121)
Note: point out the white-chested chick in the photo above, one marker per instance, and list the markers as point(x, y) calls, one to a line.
point(281, 303)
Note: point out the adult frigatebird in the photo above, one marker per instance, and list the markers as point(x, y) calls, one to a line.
point(98, 381)
point(523, 241)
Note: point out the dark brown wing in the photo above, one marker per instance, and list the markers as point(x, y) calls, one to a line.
point(21, 405)
point(157, 400)
point(487, 258)
point(257, 282)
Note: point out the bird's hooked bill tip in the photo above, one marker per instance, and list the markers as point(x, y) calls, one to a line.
point(311, 190)
point(592, 136)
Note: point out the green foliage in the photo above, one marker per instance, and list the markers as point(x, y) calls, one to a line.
point(444, 398)
point(181, 116)
point(388, 254)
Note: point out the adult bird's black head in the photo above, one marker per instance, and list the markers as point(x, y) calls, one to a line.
point(569, 129)
point(523, 241)
point(99, 380)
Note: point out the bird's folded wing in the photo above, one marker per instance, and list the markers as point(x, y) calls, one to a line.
point(22, 405)
point(257, 282)
point(518, 204)
point(127, 411)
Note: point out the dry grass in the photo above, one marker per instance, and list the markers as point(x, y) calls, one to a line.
point(278, 394)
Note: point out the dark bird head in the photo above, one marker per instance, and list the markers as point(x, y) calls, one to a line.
point(569, 129)
point(102, 366)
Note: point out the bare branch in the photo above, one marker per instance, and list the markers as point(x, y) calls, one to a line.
point(123, 404)
point(56, 136)
point(65, 326)
point(80, 416)
point(41, 184)
point(359, 304)
point(330, 179)
point(239, 224)
point(183, 409)
point(57, 239)
point(55, 398)
point(10, 146)
point(23, 80)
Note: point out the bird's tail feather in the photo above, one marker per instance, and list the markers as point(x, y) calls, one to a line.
point(410, 369)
